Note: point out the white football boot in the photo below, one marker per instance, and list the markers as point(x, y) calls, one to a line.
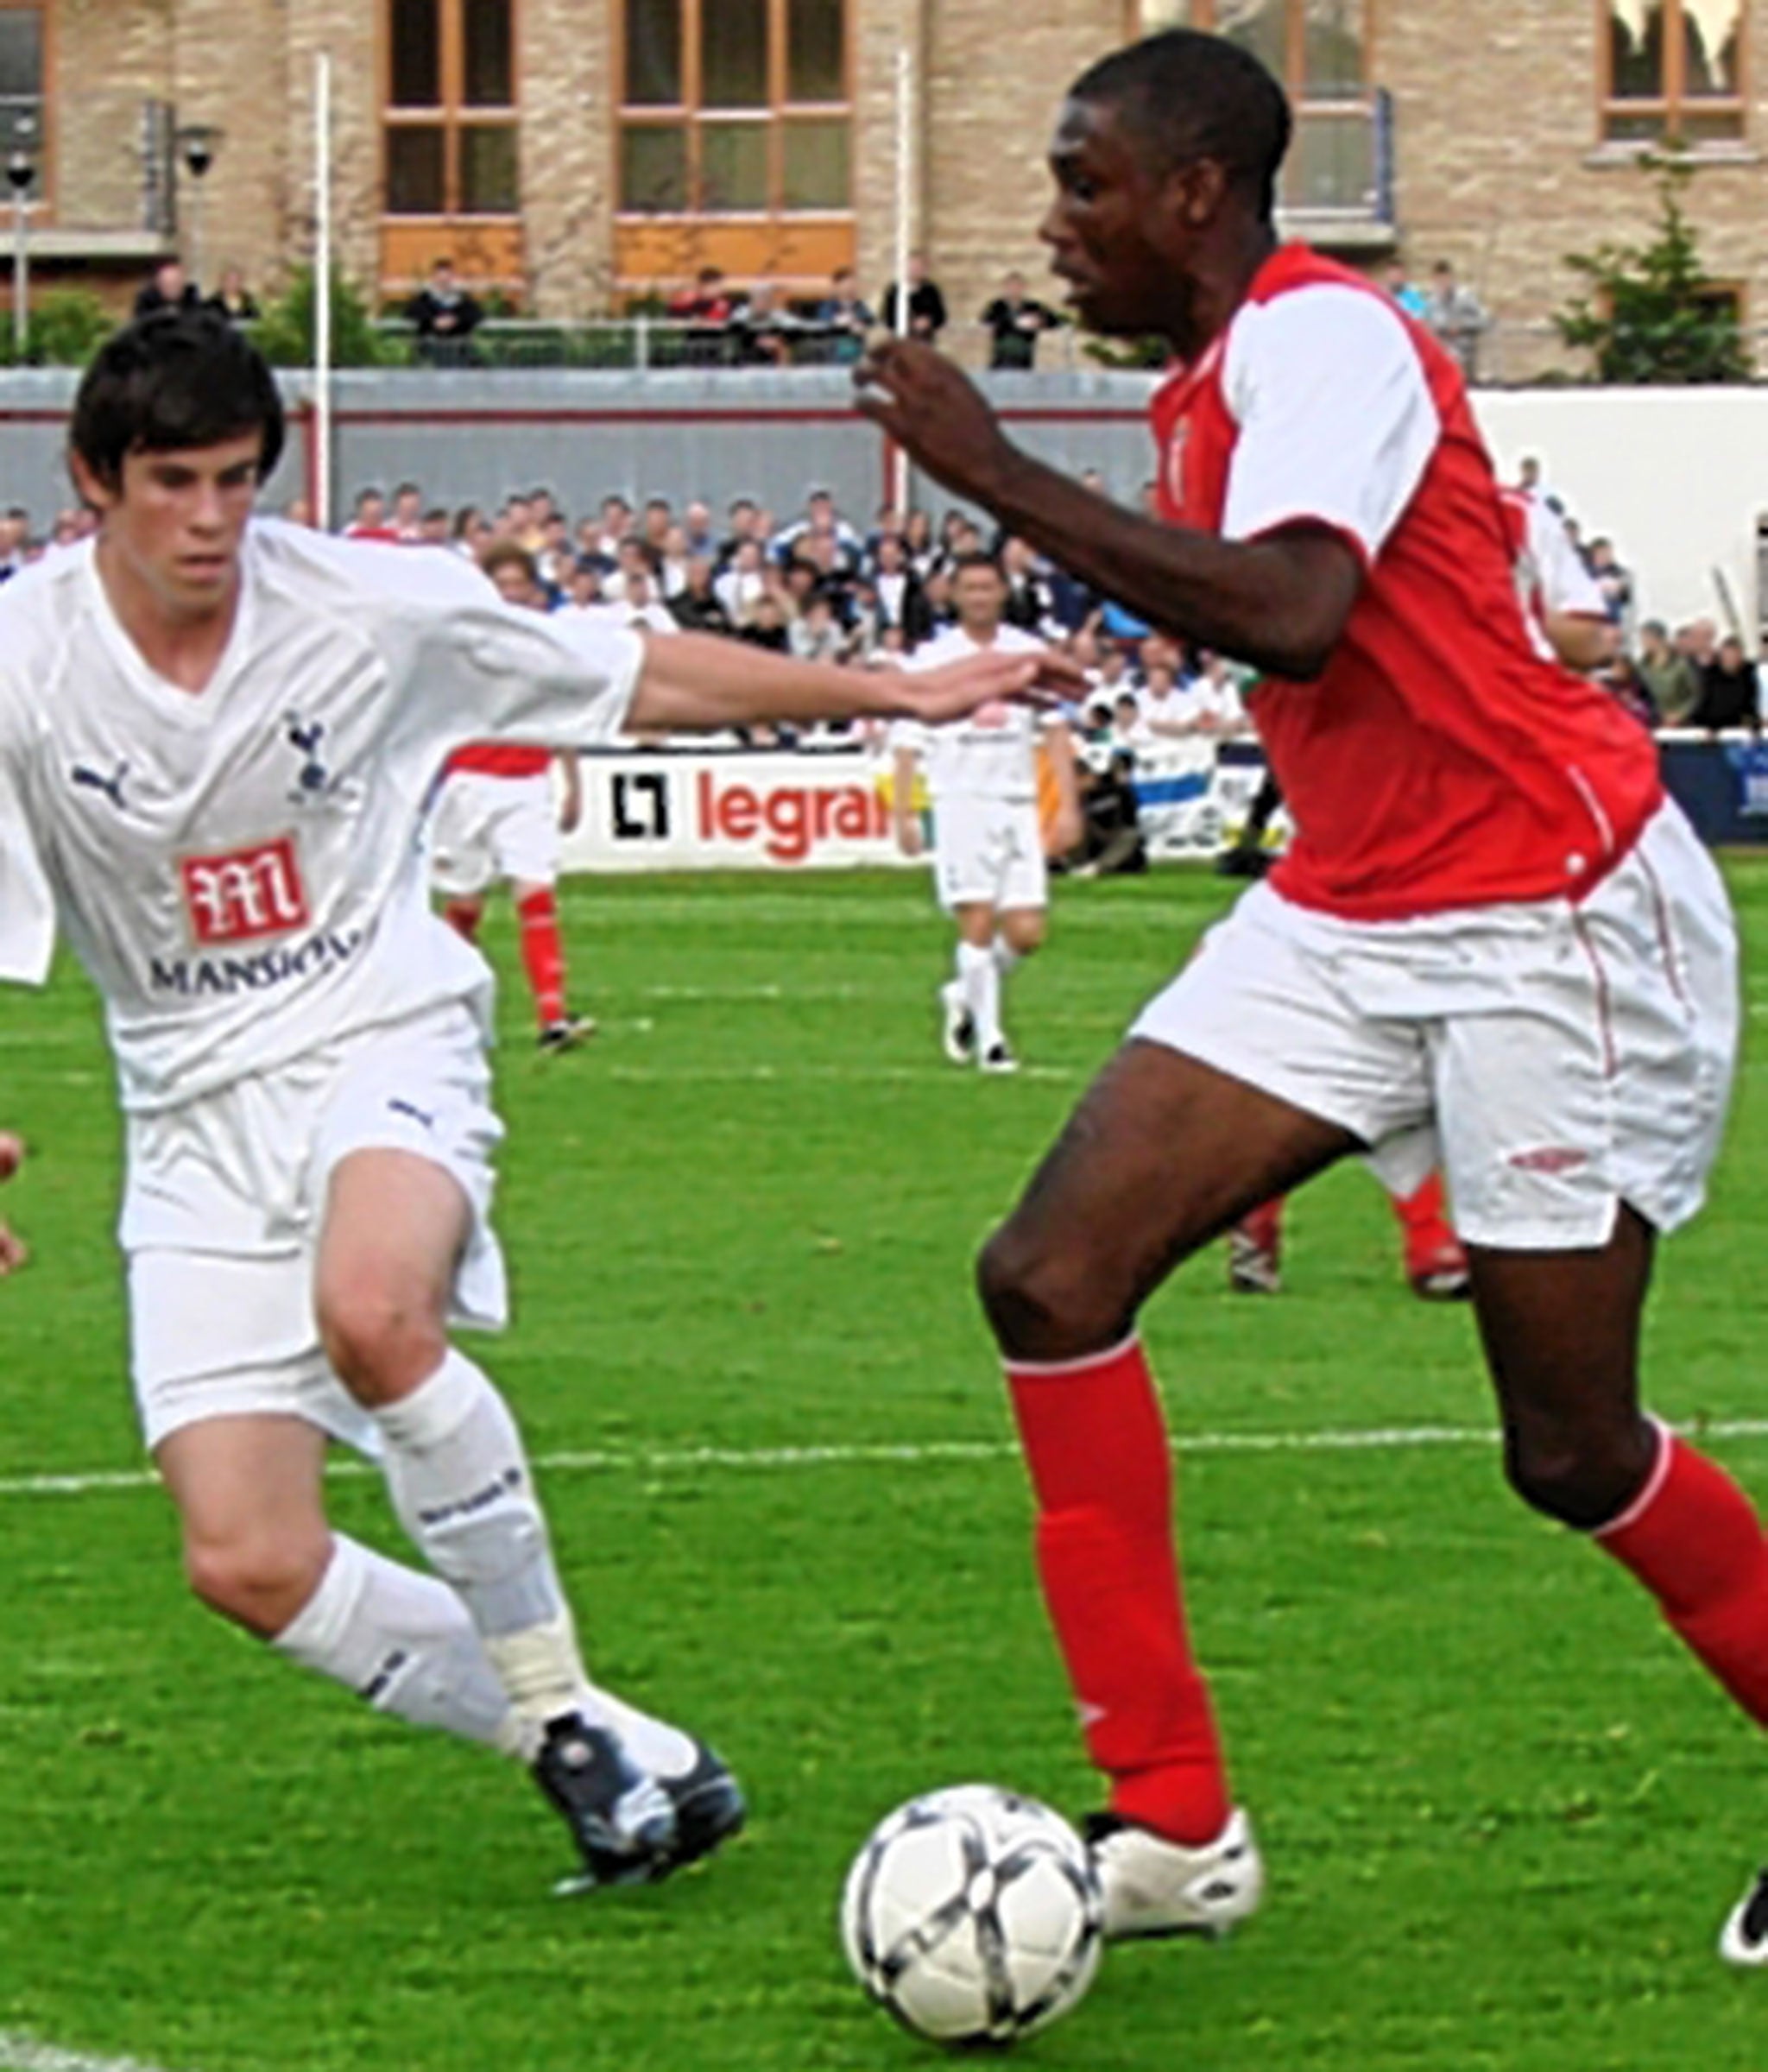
point(1745, 1940)
point(1156, 1887)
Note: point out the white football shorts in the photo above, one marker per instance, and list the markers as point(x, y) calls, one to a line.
point(1557, 1060)
point(222, 1207)
point(988, 852)
point(487, 831)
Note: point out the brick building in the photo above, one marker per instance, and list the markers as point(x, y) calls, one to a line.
point(576, 154)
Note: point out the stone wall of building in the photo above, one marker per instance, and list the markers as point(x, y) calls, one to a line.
point(1499, 166)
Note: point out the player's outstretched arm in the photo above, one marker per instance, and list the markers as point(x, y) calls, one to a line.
point(1278, 603)
point(698, 682)
point(12, 1251)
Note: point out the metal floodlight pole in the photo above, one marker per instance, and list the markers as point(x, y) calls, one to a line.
point(900, 486)
point(21, 169)
point(322, 292)
point(197, 142)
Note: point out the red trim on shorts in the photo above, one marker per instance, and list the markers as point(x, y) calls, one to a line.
point(1604, 1016)
point(1665, 941)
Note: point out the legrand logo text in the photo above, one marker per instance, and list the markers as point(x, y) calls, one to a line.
point(788, 820)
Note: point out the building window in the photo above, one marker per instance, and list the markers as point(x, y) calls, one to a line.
point(1319, 49)
point(450, 119)
point(1673, 71)
point(21, 81)
point(734, 107)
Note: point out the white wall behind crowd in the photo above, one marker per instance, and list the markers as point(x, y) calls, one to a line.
point(1677, 477)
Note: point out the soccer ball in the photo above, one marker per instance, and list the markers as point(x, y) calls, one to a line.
point(973, 1915)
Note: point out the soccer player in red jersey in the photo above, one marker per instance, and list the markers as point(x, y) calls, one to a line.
point(1493, 939)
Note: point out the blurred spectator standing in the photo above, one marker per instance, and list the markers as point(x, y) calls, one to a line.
point(901, 596)
point(1613, 580)
point(926, 305)
point(234, 300)
point(168, 289)
point(1014, 322)
point(1031, 601)
point(1670, 679)
point(445, 317)
point(1409, 295)
point(762, 331)
point(15, 534)
point(407, 517)
point(368, 520)
point(1728, 689)
point(697, 606)
point(844, 319)
point(706, 309)
point(1455, 314)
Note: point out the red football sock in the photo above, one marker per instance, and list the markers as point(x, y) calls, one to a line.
point(1424, 1213)
point(462, 916)
point(1263, 1226)
point(543, 953)
point(1692, 1538)
point(1096, 1444)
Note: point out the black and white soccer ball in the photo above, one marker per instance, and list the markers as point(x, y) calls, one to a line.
point(973, 1915)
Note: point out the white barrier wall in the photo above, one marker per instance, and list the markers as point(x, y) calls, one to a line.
point(1677, 477)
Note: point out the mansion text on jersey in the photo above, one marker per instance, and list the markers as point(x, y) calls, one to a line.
point(191, 976)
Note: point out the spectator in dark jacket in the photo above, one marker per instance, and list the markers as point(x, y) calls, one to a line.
point(926, 305)
point(696, 607)
point(1014, 321)
point(902, 597)
point(1728, 691)
point(168, 289)
point(445, 317)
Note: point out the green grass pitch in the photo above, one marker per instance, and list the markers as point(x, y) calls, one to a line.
point(1504, 1816)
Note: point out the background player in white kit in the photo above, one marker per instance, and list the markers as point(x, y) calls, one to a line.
point(217, 740)
point(988, 845)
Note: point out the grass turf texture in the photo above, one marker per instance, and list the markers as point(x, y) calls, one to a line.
point(1504, 1816)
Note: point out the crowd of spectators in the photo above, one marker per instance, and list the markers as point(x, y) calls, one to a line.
point(820, 584)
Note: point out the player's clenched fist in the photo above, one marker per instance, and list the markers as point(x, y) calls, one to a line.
point(12, 1251)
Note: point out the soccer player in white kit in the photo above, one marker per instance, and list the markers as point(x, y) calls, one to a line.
point(218, 738)
point(988, 846)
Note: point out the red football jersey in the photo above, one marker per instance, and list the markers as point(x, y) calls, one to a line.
point(501, 759)
point(1437, 761)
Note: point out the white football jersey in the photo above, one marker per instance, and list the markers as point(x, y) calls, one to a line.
point(240, 869)
point(992, 754)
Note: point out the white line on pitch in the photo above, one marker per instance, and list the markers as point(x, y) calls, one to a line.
point(665, 1460)
point(25, 2054)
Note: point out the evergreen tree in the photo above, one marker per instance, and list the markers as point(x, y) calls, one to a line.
point(1649, 313)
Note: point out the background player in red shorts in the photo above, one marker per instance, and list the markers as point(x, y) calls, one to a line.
point(1491, 940)
point(495, 818)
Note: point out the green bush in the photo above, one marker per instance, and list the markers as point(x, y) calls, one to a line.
point(285, 333)
point(68, 326)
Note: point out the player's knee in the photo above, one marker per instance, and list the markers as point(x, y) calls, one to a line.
point(1582, 1479)
point(1044, 1301)
point(1023, 932)
point(260, 1580)
point(380, 1340)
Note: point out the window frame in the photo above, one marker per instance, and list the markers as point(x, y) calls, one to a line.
point(452, 113)
point(1363, 106)
point(691, 115)
point(1674, 102)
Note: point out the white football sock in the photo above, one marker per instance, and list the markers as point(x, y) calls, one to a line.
point(982, 992)
point(404, 1643)
point(1006, 957)
point(460, 1483)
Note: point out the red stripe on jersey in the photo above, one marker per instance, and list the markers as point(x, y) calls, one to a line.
point(501, 759)
point(1437, 761)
